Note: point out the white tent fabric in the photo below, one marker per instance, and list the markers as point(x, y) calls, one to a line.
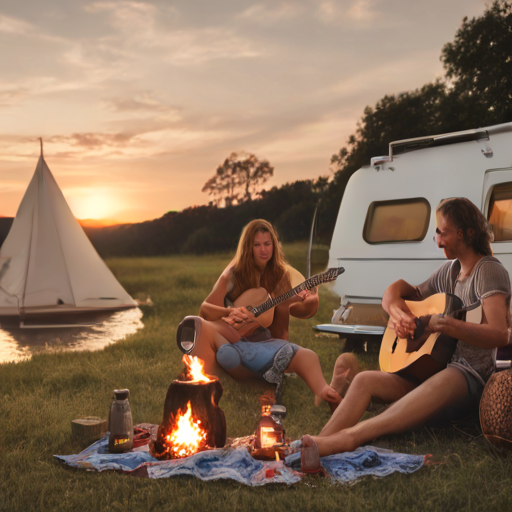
point(47, 263)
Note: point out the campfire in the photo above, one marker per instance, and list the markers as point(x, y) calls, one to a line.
point(192, 420)
point(187, 437)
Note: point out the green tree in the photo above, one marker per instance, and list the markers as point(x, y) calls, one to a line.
point(477, 91)
point(478, 64)
point(238, 179)
point(394, 117)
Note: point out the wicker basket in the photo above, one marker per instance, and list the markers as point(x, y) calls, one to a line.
point(496, 410)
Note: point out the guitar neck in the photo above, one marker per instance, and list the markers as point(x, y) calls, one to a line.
point(272, 302)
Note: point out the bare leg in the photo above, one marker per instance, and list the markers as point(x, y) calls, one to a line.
point(385, 386)
point(345, 369)
point(306, 364)
point(411, 411)
point(211, 337)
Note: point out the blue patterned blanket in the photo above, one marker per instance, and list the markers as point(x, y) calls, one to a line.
point(237, 464)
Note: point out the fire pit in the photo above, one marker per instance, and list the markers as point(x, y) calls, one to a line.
point(192, 420)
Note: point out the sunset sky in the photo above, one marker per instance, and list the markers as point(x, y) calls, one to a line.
point(139, 102)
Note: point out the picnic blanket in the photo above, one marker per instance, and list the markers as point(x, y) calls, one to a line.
point(237, 464)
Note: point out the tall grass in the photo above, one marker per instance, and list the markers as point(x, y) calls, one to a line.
point(40, 397)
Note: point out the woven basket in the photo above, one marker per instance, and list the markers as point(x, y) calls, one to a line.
point(496, 410)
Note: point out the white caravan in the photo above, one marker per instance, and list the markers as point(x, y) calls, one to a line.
point(386, 222)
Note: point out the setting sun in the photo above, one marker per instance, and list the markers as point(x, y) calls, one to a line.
point(93, 203)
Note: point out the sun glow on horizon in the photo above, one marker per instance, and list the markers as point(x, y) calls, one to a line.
point(94, 203)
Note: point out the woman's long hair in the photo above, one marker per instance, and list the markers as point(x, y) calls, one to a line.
point(274, 277)
point(476, 231)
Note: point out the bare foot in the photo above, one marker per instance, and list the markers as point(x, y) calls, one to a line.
point(345, 369)
point(309, 456)
point(330, 395)
point(345, 441)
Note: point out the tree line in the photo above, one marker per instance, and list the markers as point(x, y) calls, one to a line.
point(205, 229)
point(476, 91)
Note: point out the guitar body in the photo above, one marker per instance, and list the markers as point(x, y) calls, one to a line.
point(430, 353)
point(259, 301)
point(254, 297)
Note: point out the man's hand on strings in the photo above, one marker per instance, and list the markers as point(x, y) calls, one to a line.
point(402, 320)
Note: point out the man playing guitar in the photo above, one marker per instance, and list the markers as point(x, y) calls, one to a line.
point(473, 275)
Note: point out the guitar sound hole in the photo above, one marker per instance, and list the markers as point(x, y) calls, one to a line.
point(393, 348)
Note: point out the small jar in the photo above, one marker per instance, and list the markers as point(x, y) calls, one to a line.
point(120, 423)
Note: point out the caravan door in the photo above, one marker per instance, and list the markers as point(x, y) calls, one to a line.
point(497, 208)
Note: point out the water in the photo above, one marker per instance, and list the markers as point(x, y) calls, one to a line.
point(19, 344)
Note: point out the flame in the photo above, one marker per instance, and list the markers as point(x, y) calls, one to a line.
point(187, 437)
point(268, 437)
point(195, 368)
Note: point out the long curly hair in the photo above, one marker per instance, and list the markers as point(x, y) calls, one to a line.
point(476, 231)
point(274, 277)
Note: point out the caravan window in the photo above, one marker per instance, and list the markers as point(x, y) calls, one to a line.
point(401, 220)
point(500, 212)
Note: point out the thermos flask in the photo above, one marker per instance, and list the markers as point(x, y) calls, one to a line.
point(120, 423)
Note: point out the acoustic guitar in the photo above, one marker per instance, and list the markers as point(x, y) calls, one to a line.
point(265, 304)
point(426, 353)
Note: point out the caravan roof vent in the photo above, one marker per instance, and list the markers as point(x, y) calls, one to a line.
point(378, 160)
point(406, 145)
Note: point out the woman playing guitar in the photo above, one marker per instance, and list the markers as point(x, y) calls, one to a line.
point(230, 336)
point(473, 275)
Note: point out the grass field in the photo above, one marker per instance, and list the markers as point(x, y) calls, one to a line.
point(40, 397)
